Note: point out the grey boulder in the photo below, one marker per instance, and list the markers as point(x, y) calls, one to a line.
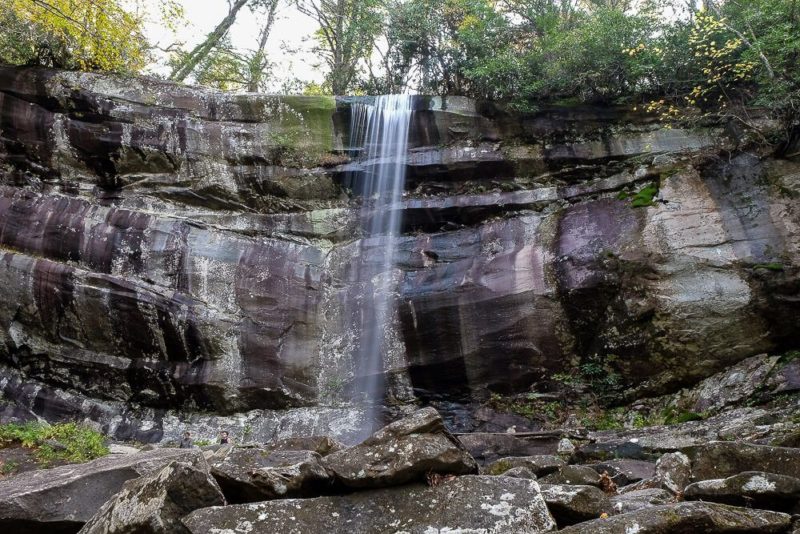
point(485, 504)
point(721, 459)
point(62, 499)
point(155, 503)
point(673, 472)
point(631, 501)
point(688, 518)
point(520, 472)
point(252, 474)
point(322, 445)
point(753, 488)
point(580, 475)
point(404, 451)
point(541, 464)
point(574, 504)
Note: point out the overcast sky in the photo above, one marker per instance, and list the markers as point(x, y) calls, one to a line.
point(292, 29)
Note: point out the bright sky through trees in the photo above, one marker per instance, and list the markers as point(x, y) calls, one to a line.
point(292, 31)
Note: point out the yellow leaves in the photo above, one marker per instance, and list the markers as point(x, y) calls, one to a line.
point(95, 34)
point(469, 22)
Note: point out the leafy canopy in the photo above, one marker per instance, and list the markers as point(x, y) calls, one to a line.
point(73, 34)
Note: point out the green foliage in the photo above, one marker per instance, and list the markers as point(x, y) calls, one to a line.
point(711, 61)
point(76, 34)
point(673, 416)
point(8, 468)
point(772, 266)
point(529, 406)
point(643, 198)
point(608, 420)
point(499, 467)
point(77, 443)
point(346, 36)
point(790, 356)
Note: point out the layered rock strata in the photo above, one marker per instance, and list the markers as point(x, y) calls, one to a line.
point(168, 250)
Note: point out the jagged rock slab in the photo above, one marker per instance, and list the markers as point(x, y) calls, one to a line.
point(155, 503)
point(673, 472)
point(252, 474)
point(64, 498)
point(574, 474)
point(322, 445)
point(520, 472)
point(722, 459)
point(541, 465)
point(755, 489)
point(495, 505)
point(688, 518)
point(403, 451)
point(572, 504)
point(489, 447)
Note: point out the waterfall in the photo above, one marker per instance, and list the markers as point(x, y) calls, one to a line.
point(381, 130)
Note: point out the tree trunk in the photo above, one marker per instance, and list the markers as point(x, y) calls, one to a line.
point(259, 60)
point(185, 68)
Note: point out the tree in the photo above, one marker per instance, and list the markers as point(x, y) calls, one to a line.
point(346, 35)
point(186, 63)
point(226, 68)
point(73, 34)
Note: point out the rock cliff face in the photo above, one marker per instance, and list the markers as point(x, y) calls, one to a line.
point(171, 252)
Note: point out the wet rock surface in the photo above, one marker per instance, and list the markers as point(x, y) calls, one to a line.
point(155, 503)
point(469, 503)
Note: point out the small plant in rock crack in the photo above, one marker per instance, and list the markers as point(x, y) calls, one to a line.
point(645, 197)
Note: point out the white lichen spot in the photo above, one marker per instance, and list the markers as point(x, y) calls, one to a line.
point(501, 509)
point(759, 484)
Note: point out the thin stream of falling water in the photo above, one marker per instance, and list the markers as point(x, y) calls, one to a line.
point(382, 130)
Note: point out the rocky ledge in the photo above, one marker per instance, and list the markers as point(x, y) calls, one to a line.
point(414, 477)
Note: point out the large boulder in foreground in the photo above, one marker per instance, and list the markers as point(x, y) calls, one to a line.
point(688, 518)
point(252, 474)
point(62, 499)
point(769, 491)
point(401, 452)
point(465, 504)
point(155, 503)
point(722, 459)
